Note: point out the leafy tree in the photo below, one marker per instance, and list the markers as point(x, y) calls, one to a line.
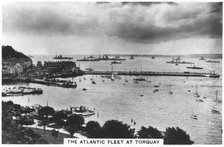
point(116, 129)
point(46, 111)
point(59, 116)
point(176, 136)
point(73, 123)
point(10, 103)
point(44, 122)
point(149, 132)
point(93, 128)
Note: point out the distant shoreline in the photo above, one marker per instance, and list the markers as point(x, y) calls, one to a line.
point(211, 56)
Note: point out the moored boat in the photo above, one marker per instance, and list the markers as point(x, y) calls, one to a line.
point(132, 57)
point(116, 62)
point(81, 111)
point(194, 67)
point(213, 61)
point(61, 57)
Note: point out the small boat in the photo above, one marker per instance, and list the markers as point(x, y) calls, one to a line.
point(89, 69)
point(196, 93)
point(202, 58)
point(83, 111)
point(170, 92)
point(136, 82)
point(153, 57)
point(216, 99)
point(125, 79)
point(93, 82)
point(139, 79)
point(155, 90)
point(156, 86)
point(116, 62)
point(131, 57)
point(194, 116)
point(215, 111)
point(199, 100)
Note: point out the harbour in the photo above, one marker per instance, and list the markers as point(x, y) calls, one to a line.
point(105, 70)
point(144, 99)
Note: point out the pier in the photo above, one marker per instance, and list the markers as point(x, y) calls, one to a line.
point(152, 73)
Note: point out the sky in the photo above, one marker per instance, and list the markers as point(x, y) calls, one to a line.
point(49, 28)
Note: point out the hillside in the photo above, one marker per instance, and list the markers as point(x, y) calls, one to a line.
point(9, 52)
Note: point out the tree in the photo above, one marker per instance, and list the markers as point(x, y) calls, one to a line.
point(149, 132)
point(59, 116)
point(44, 122)
point(44, 112)
point(73, 123)
point(176, 136)
point(93, 128)
point(116, 129)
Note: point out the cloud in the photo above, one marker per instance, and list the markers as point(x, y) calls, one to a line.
point(139, 22)
point(163, 22)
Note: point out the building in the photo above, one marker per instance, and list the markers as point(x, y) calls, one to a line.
point(63, 66)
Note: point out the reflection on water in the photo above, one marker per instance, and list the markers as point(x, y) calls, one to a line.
point(126, 100)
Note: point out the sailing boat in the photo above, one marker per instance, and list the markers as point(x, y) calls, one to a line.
point(214, 109)
point(93, 81)
point(196, 93)
point(194, 116)
point(216, 99)
point(125, 79)
point(170, 92)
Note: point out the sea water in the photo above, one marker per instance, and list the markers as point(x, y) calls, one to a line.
point(125, 101)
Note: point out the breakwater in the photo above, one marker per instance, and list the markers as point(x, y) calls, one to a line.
point(152, 73)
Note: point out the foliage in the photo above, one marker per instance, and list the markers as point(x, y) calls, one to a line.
point(13, 133)
point(59, 116)
point(46, 111)
point(176, 136)
point(116, 129)
point(149, 132)
point(94, 129)
point(73, 123)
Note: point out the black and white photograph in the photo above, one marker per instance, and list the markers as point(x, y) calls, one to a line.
point(112, 73)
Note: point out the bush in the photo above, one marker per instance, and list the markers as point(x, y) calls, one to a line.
point(46, 111)
point(149, 132)
point(116, 129)
point(93, 129)
point(176, 136)
point(73, 124)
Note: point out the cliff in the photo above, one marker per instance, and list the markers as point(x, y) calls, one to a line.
point(9, 52)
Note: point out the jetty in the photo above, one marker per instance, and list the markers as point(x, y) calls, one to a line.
point(152, 73)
